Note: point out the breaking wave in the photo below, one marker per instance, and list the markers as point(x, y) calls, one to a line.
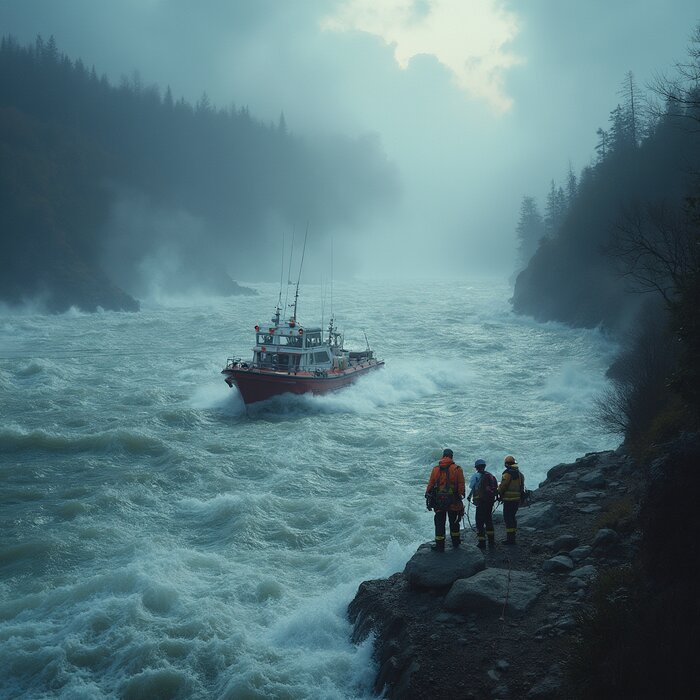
point(161, 540)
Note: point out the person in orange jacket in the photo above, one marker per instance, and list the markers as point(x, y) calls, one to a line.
point(444, 494)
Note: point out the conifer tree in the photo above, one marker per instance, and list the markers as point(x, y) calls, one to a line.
point(529, 231)
point(603, 146)
point(555, 209)
point(571, 185)
point(631, 109)
point(282, 125)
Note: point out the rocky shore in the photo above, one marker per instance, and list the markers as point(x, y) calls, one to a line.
point(501, 623)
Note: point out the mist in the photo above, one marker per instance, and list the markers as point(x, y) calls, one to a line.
point(428, 120)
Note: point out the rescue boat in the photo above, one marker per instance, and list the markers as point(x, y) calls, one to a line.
point(291, 358)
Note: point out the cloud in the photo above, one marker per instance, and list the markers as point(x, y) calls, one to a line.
point(467, 38)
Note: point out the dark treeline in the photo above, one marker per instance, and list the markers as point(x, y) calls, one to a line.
point(571, 272)
point(624, 252)
point(619, 246)
point(102, 184)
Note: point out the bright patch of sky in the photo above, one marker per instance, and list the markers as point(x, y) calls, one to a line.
point(470, 39)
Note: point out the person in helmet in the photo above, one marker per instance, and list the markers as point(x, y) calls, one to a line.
point(444, 494)
point(483, 488)
point(509, 491)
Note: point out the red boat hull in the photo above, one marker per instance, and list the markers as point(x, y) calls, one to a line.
point(258, 385)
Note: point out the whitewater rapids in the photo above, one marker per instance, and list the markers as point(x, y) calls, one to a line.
point(158, 540)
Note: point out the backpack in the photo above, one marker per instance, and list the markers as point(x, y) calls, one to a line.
point(486, 488)
point(443, 498)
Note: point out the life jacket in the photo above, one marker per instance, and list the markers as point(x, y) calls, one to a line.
point(513, 489)
point(446, 486)
point(486, 488)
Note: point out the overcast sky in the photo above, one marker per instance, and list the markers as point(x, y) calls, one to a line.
point(478, 102)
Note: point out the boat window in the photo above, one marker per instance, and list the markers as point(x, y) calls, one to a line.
point(295, 341)
point(265, 339)
point(313, 339)
point(321, 357)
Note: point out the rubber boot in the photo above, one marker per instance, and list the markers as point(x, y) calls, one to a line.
point(481, 542)
point(510, 538)
point(492, 541)
point(439, 546)
point(455, 542)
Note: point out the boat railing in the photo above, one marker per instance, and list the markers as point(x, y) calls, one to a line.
point(238, 363)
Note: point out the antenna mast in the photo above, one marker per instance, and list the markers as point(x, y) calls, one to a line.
point(289, 271)
point(330, 327)
point(278, 309)
point(301, 265)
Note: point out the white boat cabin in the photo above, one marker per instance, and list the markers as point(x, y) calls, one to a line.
point(288, 347)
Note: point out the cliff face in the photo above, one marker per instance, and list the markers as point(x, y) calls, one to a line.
point(58, 279)
point(501, 623)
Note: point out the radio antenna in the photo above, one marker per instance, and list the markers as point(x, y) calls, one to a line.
point(301, 266)
point(276, 319)
point(323, 298)
point(332, 322)
point(289, 272)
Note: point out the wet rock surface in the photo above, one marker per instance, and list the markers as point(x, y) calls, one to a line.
point(498, 623)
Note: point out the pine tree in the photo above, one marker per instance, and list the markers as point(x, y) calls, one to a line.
point(555, 209)
point(529, 231)
point(571, 186)
point(619, 132)
point(204, 105)
point(631, 109)
point(168, 99)
point(282, 125)
point(603, 145)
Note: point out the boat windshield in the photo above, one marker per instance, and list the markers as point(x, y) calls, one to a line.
point(313, 339)
point(278, 360)
point(294, 341)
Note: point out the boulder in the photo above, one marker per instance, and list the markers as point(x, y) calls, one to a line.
point(580, 553)
point(615, 460)
point(605, 538)
point(558, 564)
point(557, 472)
point(565, 543)
point(593, 480)
point(486, 592)
point(439, 570)
point(584, 572)
point(539, 516)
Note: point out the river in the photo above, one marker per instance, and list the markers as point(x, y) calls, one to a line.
point(160, 541)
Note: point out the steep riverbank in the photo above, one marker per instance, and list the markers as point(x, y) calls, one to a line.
point(500, 624)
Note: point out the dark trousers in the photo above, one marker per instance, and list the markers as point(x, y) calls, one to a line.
point(440, 517)
point(484, 520)
point(510, 508)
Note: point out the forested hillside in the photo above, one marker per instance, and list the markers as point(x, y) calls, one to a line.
point(645, 173)
point(621, 248)
point(104, 185)
point(625, 253)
